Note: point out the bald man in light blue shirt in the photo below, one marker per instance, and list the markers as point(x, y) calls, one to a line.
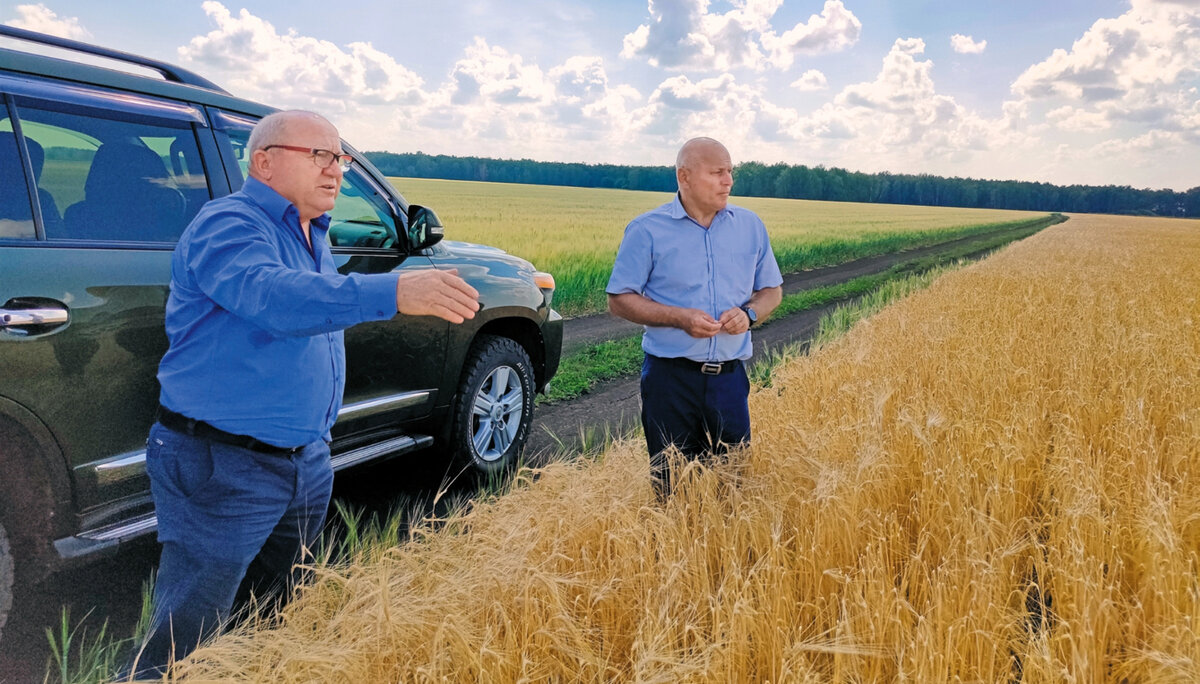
point(696, 273)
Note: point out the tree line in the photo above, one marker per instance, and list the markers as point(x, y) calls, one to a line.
point(797, 181)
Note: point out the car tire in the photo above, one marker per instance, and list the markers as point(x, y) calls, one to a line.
point(494, 406)
point(7, 579)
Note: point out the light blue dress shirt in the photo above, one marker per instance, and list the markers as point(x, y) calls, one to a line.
point(255, 320)
point(669, 258)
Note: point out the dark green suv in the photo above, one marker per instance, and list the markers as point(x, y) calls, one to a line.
point(100, 171)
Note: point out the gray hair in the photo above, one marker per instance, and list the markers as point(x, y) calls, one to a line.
point(272, 129)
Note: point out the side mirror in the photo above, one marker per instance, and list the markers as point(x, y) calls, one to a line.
point(424, 227)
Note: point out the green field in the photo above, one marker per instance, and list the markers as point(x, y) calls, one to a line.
point(574, 232)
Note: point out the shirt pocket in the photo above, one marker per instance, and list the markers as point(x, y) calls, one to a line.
point(683, 274)
point(735, 273)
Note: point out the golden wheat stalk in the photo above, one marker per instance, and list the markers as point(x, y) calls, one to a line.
point(996, 478)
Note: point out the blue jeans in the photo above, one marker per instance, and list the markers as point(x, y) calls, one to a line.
point(698, 414)
point(223, 511)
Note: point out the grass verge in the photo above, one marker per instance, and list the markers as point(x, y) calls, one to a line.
point(578, 373)
point(80, 657)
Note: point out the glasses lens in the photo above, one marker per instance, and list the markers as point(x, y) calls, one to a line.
point(323, 158)
point(344, 162)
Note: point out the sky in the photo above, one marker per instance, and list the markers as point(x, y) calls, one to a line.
point(1098, 92)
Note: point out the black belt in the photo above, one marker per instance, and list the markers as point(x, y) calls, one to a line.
point(198, 428)
point(705, 367)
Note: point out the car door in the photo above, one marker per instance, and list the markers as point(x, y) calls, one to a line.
point(393, 367)
point(91, 272)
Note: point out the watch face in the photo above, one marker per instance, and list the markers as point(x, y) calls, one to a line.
point(750, 314)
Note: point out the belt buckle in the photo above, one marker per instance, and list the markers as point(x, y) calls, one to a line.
point(711, 368)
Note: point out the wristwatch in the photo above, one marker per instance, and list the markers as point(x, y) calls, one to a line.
point(750, 314)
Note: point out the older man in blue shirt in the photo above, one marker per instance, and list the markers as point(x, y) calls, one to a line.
point(252, 382)
point(697, 272)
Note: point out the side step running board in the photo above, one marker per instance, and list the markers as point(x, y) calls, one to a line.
point(104, 538)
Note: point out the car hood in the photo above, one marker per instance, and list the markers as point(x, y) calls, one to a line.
point(469, 249)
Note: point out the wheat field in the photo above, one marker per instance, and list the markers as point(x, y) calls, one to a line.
point(574, 232)
point(995, 479)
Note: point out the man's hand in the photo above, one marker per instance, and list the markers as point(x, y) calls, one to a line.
point(735, 321)
point(431, 292)
point(698, 323)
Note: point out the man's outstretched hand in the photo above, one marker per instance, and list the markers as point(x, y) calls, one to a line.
point(431, 292)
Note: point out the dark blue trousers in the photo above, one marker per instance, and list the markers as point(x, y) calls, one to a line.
point(223, 512)
point(701, 415)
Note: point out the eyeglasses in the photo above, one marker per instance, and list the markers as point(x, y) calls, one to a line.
point(322, 158)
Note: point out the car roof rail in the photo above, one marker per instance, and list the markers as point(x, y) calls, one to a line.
point(169, 72)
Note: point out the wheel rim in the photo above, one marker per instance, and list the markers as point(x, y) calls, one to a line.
point(496, 414)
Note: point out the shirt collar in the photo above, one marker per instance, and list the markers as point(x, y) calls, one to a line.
point(277, 206)
point(678, 212)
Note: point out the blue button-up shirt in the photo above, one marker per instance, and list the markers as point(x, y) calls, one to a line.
point(669, 258)
point(255, 320)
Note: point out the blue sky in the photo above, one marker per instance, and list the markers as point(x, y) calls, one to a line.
point(1072, 91)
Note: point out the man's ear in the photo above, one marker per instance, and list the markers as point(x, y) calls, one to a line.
point(260, 164)
point(681, 175)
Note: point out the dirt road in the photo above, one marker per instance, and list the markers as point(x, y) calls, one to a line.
point(614, 406)
point(111, 591)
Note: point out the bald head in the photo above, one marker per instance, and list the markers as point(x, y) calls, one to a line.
point(273, 129)
point(705, 176)
point(697, 149)
point(281, 156)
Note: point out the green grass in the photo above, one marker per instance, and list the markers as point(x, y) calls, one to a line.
point(578, 373)
point(574, 232)
point(81, 656)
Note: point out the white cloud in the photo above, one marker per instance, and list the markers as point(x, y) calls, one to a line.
point(967, 45)
point(1072, 119)
point(898, 122)
point(738, 114)
point(290, 70)
point(1120, 105)
point(834, 29)
point(493, 73)
point(684, 34)
point(492, 102)
point(43, 20)
point(1128, 85)
point(811, 80)
point(1154, 45)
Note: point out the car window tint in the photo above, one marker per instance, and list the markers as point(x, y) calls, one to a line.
point(116, 180)
point(361, 217)
point(239, 134)
point(16, 211)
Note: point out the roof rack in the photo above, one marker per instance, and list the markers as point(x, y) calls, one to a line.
point(169, 72)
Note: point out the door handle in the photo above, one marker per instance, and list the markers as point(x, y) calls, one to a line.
point(20, 318)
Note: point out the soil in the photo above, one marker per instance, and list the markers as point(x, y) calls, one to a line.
point(110, 591)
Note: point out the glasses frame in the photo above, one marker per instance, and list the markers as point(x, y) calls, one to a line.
point(343, 160)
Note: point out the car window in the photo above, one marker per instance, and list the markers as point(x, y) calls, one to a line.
point(16, 211)
point(108, 179)
point(361, 217)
